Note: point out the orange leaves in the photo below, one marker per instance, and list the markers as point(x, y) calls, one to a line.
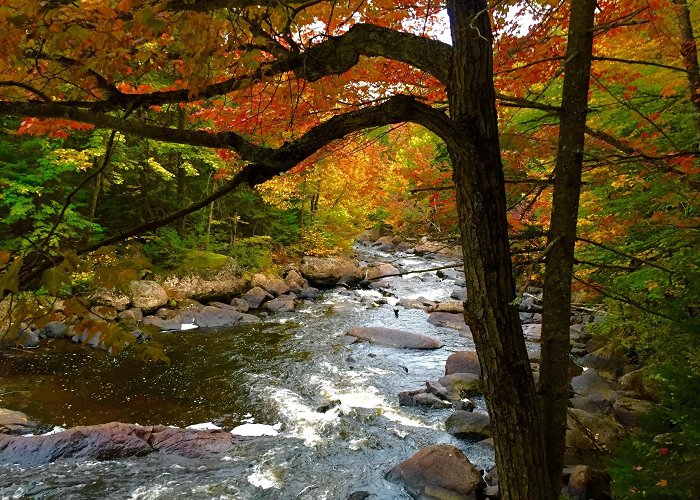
point(54, 127)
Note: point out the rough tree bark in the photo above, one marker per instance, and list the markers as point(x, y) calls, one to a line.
point(491, 312)
point(689, 51)
point(554, 368)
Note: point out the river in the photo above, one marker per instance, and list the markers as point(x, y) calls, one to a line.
point(278, 372)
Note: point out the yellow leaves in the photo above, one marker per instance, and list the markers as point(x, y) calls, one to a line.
point(662, 483)
point(159, 169)
point(82, 160)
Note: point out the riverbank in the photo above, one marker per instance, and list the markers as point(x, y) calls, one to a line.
point(337, 406)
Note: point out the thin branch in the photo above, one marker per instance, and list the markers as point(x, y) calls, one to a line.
point(643, 63)
point(621, 298)
point(622, 254)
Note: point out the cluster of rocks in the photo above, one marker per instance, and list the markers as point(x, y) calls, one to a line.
point(183, 302)
point(423, 246)
point(608, 397)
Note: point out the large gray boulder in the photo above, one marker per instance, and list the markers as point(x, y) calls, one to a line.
point(324, 272)
point(213, 317)
point(54, 330)
point(590, 382)
point(218, 283)
point(147, 295)
point(438, 472)
point(607, 359)
point(395, 338)
point(469, 425)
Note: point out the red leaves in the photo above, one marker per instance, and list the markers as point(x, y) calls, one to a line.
point(57, 128)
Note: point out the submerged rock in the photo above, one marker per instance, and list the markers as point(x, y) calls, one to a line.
point(463, 362)
point(395, 338)
point(438, 472)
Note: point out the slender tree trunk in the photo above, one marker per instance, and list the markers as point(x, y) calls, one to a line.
point(554, 369)
point(95, 192)
point(689, 51)
point(180, 195)
point(490, 311)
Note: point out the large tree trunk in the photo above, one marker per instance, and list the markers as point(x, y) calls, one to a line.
point(689, 51)
point(490, 310)
point(554, 369)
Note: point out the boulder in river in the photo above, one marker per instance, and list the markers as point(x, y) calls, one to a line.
point(256, 296)
point(240, 305)
point(212, 317)
point(324, 272)
point(469, 425)
point(438, 472)
point(283, 303)
point(15, 422)
point(462, 385)
point(380, 270)
point(395, 338)
point(274, 286)
point(147, 295)
point(463, 362)
point(449, 320)
point(54, 330)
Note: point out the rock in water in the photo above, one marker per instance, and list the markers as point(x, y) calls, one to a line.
point(395, 338)
point(147, 295)
point(463, 362)
point(470, 425)
point(439, 471)
point(15, 422)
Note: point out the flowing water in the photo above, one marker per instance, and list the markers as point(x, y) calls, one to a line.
point(277, 373)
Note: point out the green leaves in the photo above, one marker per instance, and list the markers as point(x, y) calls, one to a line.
point(9, 280)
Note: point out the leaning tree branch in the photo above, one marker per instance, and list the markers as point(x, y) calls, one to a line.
point(333, 56)
point(265, 163)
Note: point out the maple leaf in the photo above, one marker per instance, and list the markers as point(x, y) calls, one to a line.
point(662, 483)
